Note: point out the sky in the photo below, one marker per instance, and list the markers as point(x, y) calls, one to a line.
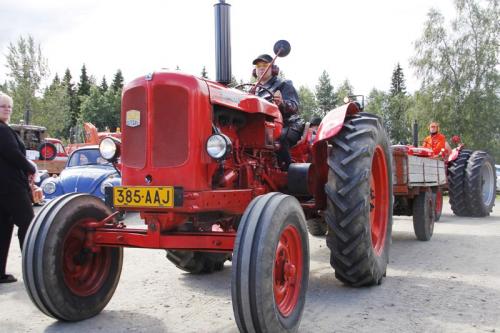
point(358, 40)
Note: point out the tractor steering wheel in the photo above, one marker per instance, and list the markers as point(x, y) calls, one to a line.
point(247, 87)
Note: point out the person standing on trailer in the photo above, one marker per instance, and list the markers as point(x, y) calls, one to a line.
point(15, 193)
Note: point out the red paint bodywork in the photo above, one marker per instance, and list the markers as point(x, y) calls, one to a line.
point(167, 119)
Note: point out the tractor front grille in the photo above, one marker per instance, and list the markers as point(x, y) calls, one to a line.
point(170, 126)
point(134, 137)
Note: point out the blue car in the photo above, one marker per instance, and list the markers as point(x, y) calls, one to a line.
point(86, 172)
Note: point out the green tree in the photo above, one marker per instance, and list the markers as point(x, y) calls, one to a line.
point(55, 105)
point(27, 68)
point(117, 84)
point(397, 122)
point(325, 96)
point(459, 67)
point(102, 109)
point(84, 84)
point(73, 99)
point(204, 73)
point(308, 106)
point(344, 90)
point(104, 85)
point(398, 85)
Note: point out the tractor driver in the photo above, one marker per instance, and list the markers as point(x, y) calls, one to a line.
point(286, 98)
point(436, 141)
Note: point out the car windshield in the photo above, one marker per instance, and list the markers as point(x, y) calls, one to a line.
point(87, 157)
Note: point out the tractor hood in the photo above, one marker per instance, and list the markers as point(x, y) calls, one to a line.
point(237, 99)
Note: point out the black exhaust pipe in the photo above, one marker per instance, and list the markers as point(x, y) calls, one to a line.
point(415, 133)
point(222, 42)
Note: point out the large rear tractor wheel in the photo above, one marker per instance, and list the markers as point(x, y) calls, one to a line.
point(359, 205)
point(196, 262)
point(64, 278)
point(480, 184)
point(437, 196)
point(423, 215)
point(456, 183)
point(317, 226)
point(270, 265)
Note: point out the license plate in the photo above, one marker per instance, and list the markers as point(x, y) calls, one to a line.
point(124, 196)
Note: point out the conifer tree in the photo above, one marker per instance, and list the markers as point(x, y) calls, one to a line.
point(398, 85)
point(117, 84)
point(325, 97)
point(73, 99)
point(84, 85)
point(104, 85)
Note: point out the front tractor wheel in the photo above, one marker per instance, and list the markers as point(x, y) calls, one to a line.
point(65, 278)
point(270, 265)
point(359, 205)
point(423, 215)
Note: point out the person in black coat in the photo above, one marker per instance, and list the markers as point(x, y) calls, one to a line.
point(15, 194)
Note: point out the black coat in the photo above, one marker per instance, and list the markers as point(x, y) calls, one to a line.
point(14, 166)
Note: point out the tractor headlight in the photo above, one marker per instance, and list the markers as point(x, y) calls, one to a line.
point(218, 146)
point(49, 187)
point(109, 148)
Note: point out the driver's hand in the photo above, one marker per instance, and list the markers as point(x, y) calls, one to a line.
point(278, 98)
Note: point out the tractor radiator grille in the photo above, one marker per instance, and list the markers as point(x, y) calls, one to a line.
point(134, 137)
point(170, 126)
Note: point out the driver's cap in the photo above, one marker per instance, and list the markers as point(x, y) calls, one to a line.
point(263, 57)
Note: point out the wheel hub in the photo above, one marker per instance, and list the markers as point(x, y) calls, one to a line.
point(287, 270)
point(379, 200)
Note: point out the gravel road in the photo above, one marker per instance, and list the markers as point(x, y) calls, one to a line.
point(449, 284)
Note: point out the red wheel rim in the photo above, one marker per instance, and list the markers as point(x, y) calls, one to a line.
point(84, 271)
point(287, 272)
point(379, 203)
point(439, 202)
point(47, 151)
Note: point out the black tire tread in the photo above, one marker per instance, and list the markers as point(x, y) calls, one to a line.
point(456, 183)
point(474, 185)
point(348, 204)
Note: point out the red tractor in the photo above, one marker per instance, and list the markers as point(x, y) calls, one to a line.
point(198, 162)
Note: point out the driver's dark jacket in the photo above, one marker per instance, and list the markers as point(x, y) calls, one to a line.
point(290, 107)
point(14, 167)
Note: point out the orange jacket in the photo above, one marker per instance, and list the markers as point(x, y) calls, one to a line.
point(436, 142)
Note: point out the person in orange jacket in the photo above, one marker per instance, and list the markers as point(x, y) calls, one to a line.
point(436, 141)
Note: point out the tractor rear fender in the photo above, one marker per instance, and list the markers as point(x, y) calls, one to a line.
point(330, 126)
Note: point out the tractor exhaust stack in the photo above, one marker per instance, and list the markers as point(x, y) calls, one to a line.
point(222, 42)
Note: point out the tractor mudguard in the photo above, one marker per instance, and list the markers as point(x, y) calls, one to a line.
point(334, 120)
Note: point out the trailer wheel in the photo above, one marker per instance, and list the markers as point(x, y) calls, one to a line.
point(456, 183)
point(437, 196)
point(359, 205)
point(423, 216)
point(480, 184)
point(196, 262)
point(270, 265)
point(317, 226)
point(64, 278)
point(48, 151)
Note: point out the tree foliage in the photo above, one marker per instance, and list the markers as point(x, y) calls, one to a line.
point(325, 96)
point(458, 65)
point(27, 68)
point(308, 105)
